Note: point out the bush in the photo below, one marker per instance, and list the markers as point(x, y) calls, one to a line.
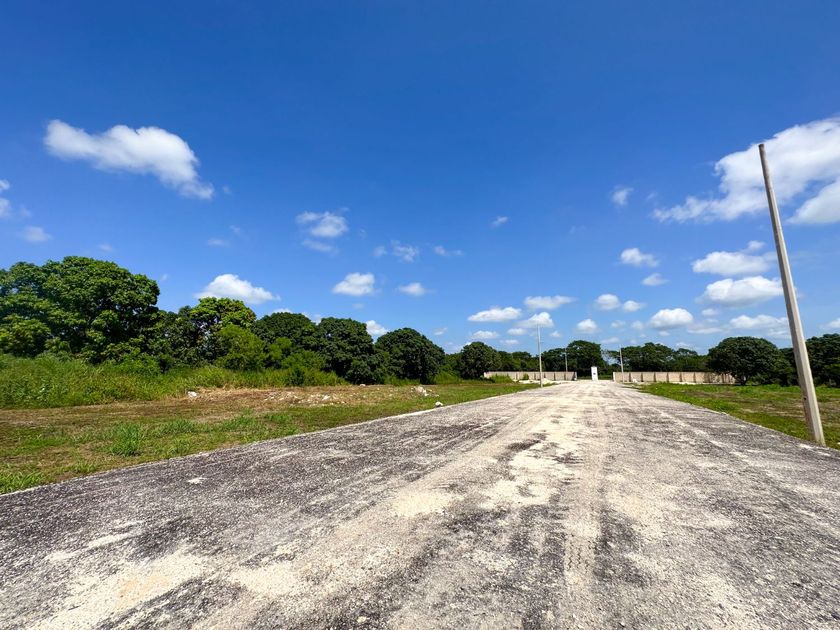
point(360, 372)
point(240, 349)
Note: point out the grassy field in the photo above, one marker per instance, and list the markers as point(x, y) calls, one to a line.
point(43, 445)
point(771, 406)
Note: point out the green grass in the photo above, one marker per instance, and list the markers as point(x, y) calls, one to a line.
point(41, 446)
point(51, 382)
point(771, 406)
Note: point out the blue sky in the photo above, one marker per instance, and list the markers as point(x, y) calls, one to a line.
point(320, 156)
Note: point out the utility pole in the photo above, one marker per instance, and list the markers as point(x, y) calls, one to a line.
point(539, 353)
point(800, 350)
point(621, 359)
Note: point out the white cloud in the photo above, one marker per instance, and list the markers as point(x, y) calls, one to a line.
point(323, 224)
point(230, 285)
point(106, 247)
point(709, 312)
point(217, 242)
point(543, 320)
point(618, 324)
point(440, 250)
point(631, 306)
point(739, 263)
point(356, 284)
point(510, 342)
point(406, 253)
point(146, 150)
point(498, 222)
point(547, 302)
point(832, 325)
point(635, 257)
point(556, 334)
point(414, 289)
point(374, 329)
point(668, 318)
point(496, 314)
point(587, 326)
point(379, 251)
point(745, 322)
point(5, 206)
point(654, 280)
point(607, 302)
point(518, 331)
point(637, 325)
point(683, 344)
point(319, 246)
point(4, 185)
point(743, 292)
point(34, 234)
point(485, 334)
point(610, 340)
point(437, 332)
point(803, 158)
point(620, 195)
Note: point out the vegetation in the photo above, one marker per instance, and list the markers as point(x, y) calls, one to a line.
point(771, 406)
point(43, 445)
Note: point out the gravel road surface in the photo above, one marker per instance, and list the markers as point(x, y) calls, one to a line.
point(582, 505)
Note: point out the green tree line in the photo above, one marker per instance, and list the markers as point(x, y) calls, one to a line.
point(98, 312)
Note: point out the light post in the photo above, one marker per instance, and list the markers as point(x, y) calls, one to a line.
point(800, 350)
point(539, 354)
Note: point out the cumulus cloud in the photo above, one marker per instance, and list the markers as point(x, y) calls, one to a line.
point(759, 322)
point(323, 224)
point(654, 280)
point(805, 162)
point(637, 325)
point(518, 331)
point(5, 206)
point(631, 306)
point(547, 302)
point(832, 325)
point(744, 292)
point(485, 334)
point(496, 314)
point(440, 250)
point(635, 257)
point(543, 320)
point(498, 222)
point(709, 312)
point(740, 263)
point(510, 342)
point(356, 284)
point(620, 195)
point(229, 285)
point(437, 332)
point(414, 289)
point(668, 318)
point(610, 340)
point(607, 302)
point(146, 150)
point(4, 185)
point(34, 234)
point(406, 253)
point(374, 329)
point(217, 242)
point(587, 326)
point(556, 334)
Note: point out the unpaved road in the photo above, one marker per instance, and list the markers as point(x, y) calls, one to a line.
point(582, 505)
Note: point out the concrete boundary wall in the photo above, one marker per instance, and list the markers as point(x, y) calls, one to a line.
point(709, 378)
point(534, 376)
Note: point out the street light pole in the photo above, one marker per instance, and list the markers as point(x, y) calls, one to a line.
point(800, 350)
point(539, 353)
point(621, 359)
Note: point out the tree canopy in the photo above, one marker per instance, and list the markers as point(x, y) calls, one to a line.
point(408, 354)
point(744, 358)
point(476, 359)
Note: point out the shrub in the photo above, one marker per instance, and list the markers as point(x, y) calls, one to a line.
point(240, 349)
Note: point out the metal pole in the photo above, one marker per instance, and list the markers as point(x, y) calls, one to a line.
point(539, 353)
point(621, 359)
point(800, 350)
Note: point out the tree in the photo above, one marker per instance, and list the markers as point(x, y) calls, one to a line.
point(824, 353)
point(554, 360)
point(744, 358)
point(295, 327)
point(686, 360)
point(239, 349)
point(651, 357)
point(23, 337)
point(476, 359)
point(89, 305)
point(341, 341)
point(408, 354)
point(583, 355)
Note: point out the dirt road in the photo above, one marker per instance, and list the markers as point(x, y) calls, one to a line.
point(583, 505)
